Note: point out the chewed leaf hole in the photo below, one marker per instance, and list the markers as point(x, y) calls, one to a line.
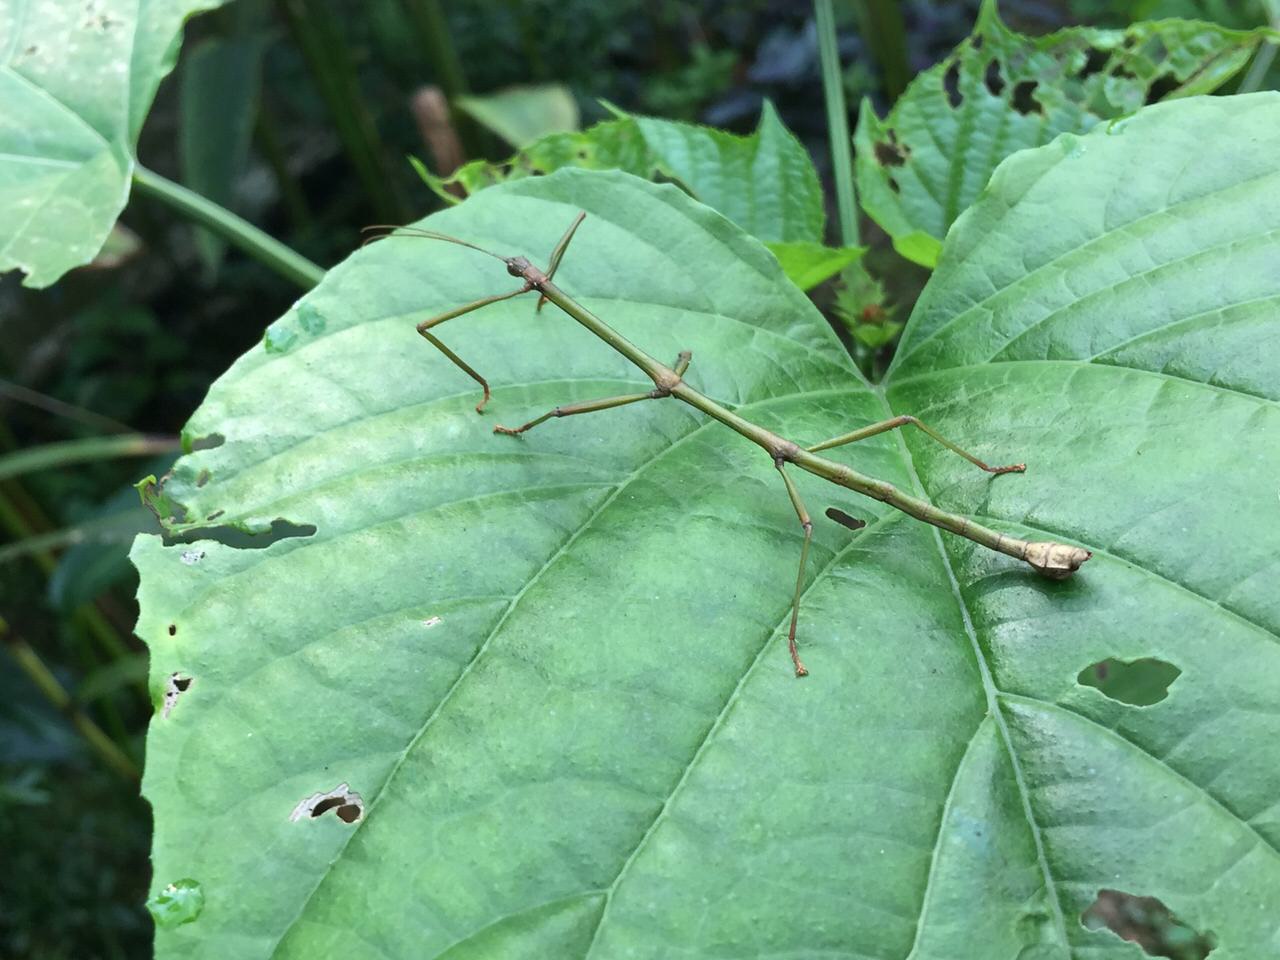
point(1148, 923)
point(230, 536)
point(177, 685)
point(993, 78)
point(891, 153)
point(1139, 683)
point(951, 85)
point(1023, 98)
point(346, 804)
point(1163, 85)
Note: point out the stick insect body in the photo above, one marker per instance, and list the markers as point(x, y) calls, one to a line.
point(1054, 560)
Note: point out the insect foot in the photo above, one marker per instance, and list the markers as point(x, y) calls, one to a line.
point(1057, 561)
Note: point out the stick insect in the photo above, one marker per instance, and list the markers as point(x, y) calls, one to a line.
point(1054, 560)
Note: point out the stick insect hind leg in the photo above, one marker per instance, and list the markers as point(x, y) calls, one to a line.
point(896, 423)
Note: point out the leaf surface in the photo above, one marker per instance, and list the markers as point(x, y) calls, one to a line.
point(1000, 92)
point(554, 669)
point(76, 81)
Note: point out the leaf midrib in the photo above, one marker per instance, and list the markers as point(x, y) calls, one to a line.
point(621, 487)
point(993, 695)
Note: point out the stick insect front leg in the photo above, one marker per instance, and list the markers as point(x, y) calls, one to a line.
point(884, 426)
point(425, 326)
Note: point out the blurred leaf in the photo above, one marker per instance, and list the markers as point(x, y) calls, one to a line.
point(76, 82)
point(764, 182)
point(218, 96)
point(126, 671)
point(521, 115)
point(1000, 92)
point(51, 456)
point(863, 309)
point(99, 556)
point(808, 264)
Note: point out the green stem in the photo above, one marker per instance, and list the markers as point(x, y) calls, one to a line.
point(885, 35)
point(432, 30)
point(31, 664)
point(54, 455)
point(321, 40)
point(1266, 54)
point(837, 125)
point(237, 231)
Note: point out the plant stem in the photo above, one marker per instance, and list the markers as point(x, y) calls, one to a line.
point(321, 41)
point(60, 408)
point(885, 35)
point(837, 125)
point(1266, 54)
point(432, 30)
point(53, 455)
point(224, 223)
point(57, 694)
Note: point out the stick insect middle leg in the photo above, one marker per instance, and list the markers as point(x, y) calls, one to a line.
point(896, 423)
point(807, 524)
point(591, 406)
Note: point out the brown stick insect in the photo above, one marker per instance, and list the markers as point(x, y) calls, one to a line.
point(1054, 560)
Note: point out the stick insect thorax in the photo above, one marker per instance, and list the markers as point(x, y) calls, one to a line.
point(1054, 560)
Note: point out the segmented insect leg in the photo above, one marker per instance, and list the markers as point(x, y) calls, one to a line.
point(425, 326)
point(895, 423)
point(807, 524)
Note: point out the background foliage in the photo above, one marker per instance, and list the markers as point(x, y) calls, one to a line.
point(299, 124)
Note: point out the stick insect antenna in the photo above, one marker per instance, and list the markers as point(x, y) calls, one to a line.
point(393, 230)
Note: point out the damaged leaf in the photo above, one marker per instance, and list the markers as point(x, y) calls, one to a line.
point(1000, 92)
point(76, 85)
point(599, 748)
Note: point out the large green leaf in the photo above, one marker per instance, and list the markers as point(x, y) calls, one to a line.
point(76, 81)
point(764, 182)
point(1000, 92)
point(554, 669)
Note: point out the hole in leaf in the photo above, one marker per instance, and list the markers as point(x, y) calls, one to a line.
point(951, 84)
point(1024, 100)
point(993, 79)
point(891, 154)
point(1148, 923)
point(178, 685)
point(1094, 62)
point(230, 536)
point(893, 185)
point(1124, 73)
point(173, 629)
point(842, 518)
point(206, 443)
point(1139, 683)
point(347, 805)
point(1163, 85)
point(976, 41)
